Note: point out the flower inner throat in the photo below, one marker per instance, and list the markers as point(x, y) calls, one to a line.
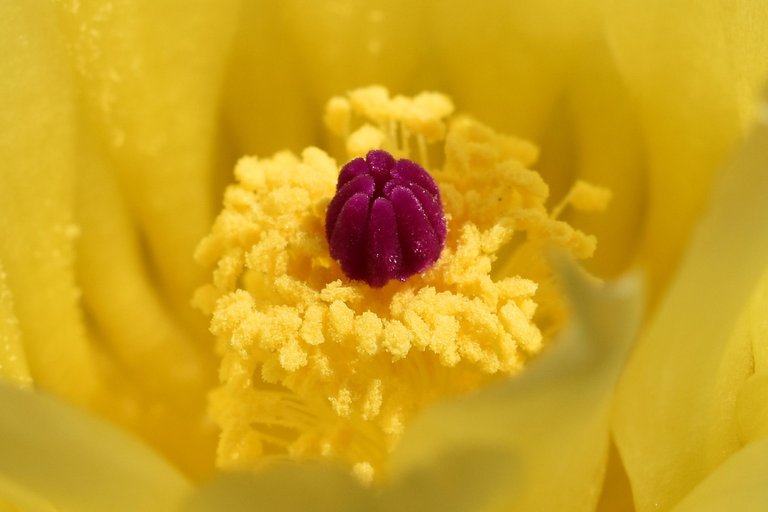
point(346, 300)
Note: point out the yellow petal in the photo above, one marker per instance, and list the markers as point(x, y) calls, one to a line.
point(119, 294)
point(37, 148)
point(508, 62)
point(286, 489)
point(608, 152)
point(266, 100)
point(548, 429)
point(158, 367)
point(676, 418)
point(75, 462)
point(347, 44)
point(15, 498)
point(151, 73)
point(751, 405)
point(616, 493)
point(694, 69)
point(752, 408)
point(13, 358)
point(741, 483)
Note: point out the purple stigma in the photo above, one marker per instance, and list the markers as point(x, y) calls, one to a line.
point(386, 220)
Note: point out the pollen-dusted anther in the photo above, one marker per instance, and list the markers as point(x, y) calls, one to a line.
point(386, 220)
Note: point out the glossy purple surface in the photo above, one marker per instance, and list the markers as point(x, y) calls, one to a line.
point(386, 220)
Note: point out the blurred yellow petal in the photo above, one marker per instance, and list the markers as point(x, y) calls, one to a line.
point(285, 489)
point(118, 291)
point(37, 148)
point(759, 328)
point(508, 62)
point(608, 152)
point(76, 462)
point(151, 74)
point(267, 104)
point(477, 476)
point(159, 368)
point(741, 483)
point(343, 45)
point(751, 407)
point(751, 404)
point(14, 498)
point(694, 69)
point(616, 493)
point(548, 429)
point(13, 358)
point(676, 418)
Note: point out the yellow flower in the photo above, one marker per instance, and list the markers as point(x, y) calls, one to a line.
point(122, 119)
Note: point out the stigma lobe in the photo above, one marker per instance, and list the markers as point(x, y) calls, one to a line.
point(386, 220)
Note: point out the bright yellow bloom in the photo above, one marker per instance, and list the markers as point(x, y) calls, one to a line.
point(120, 125)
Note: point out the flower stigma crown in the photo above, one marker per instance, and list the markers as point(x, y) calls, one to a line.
point(386, 220)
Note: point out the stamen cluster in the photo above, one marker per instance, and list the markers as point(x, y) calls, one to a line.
point(314, 364)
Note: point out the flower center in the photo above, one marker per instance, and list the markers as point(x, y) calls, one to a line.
point(315, 364)
point(386, 220)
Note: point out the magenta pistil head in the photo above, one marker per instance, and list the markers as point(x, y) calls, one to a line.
point(386, 220)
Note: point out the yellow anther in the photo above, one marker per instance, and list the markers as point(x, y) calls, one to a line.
point(364, 138)
point(589, 198)
point(338, 115)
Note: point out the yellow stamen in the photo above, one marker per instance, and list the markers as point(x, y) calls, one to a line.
point(315, 365)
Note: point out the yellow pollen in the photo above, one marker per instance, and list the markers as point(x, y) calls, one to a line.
point(314, 365)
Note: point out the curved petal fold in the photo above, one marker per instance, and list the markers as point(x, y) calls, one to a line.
point(677, 416)
point(150, 76)
point(741, 483)
point(694, 70)
point(76, 462)
point(38, 143)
